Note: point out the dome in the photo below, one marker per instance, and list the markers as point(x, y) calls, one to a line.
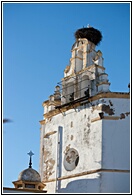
point(29, 175)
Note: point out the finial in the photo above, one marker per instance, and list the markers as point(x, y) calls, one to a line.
point(30, 162)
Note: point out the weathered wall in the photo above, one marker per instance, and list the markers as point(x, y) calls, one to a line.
point(116, 149)
point(78, 133)
point(84, 184)
point(116, 144)
point(116, 137)
point(100, 143)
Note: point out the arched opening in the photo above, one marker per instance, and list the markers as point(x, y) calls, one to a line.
point(79, 60)
point(85, 85)
point(69, 92)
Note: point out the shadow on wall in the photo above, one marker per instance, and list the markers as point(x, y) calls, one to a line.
point(81, 186)
point(105, 183)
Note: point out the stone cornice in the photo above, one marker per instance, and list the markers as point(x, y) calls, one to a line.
point(82, 71)
point(76, 57)
point(110, 95)
point(45, 102)
point(27, 182)
point(42, 122)
point(100, 74)
point(48, 103)
point(69, 106)
point(58, 111)
point(87, 173)
point(98, 66)
point(101, 83)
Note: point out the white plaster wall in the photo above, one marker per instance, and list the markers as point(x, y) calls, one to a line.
point(78, 133)
point(103, 88)
point(104, 182)
point(119, 106)
point(50, 151)
point(103, 77)
point(101, 144)
point(78, 64)
point(115, 183)
point(86, 139)
point(90, 57)
point(83, 184)
point(116, 144)
point(46, 109)
point(116, 149)
point(100, 70)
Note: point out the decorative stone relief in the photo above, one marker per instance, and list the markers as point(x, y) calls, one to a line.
point(71, 159)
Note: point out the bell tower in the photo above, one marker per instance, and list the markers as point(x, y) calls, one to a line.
point(85, 76)
point(85, 133)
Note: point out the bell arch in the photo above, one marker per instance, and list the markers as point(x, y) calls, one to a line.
point(85, 83)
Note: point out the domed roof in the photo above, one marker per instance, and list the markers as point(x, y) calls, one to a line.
point(29, 175)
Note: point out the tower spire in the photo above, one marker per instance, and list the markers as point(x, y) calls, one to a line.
point(30, 162)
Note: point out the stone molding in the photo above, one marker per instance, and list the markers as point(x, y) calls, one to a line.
point(106, 118)
point(54, 112)
point(75, 58)
point(83, 70)
point(87, 173)
point(48, 103)
point(101, 83)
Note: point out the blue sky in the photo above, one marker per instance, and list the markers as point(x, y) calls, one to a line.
point(37, 40)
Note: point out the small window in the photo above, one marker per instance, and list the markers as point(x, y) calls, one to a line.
point(29, 185)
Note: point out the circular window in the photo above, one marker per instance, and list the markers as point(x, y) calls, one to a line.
point(71, 159)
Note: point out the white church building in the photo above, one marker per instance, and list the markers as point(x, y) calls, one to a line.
point(85, 130)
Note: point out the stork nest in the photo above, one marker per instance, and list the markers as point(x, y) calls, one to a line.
point(90, 34)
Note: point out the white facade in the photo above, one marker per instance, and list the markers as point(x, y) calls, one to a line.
point(85, 133)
